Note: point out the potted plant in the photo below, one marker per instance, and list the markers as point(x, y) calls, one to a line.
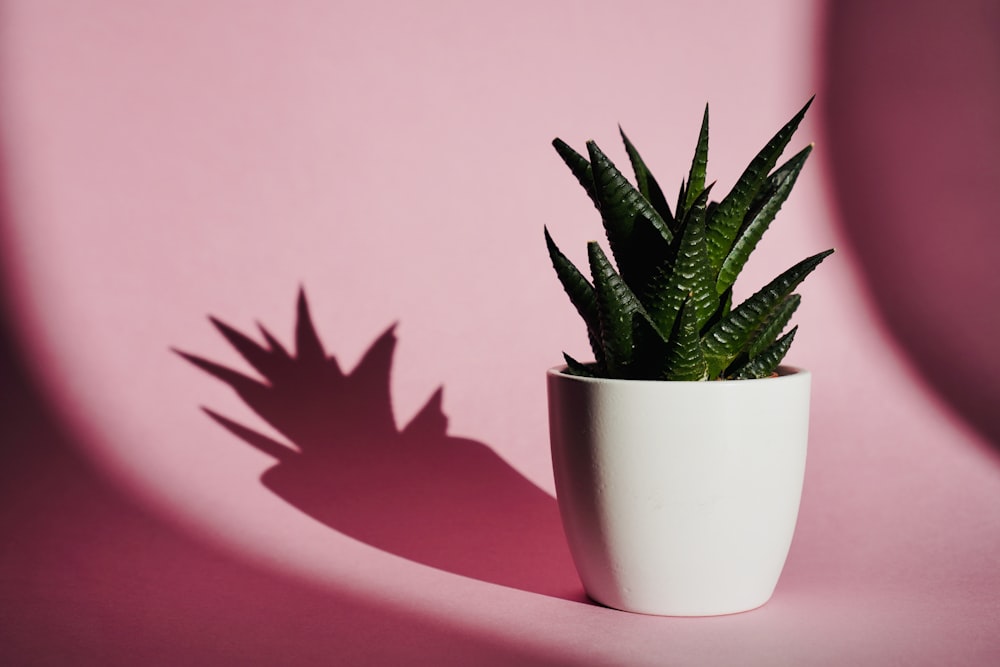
point(679, 451)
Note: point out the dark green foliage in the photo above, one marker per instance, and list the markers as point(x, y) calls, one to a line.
point(663, 309)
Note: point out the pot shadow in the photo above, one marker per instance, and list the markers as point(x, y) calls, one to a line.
point(450, 503)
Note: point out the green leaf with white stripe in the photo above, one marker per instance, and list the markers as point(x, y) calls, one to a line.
point(725, 224)
point(774, 325)
point(621, 205)
point(615, 306)
point(762, 213)
point(731, 335)
point(646, 182)
point(690, 277)
point(699, 165)
point(764, 364)
point(685, 359)
point(662, 307)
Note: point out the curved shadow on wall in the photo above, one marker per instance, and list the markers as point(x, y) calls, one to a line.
point(87, 577)
point(447, 502)
point(912, 108)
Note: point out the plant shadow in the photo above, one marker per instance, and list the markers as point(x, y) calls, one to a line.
point(450, 503)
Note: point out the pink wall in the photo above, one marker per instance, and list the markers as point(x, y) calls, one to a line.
point(166, 161)
point(913, 132)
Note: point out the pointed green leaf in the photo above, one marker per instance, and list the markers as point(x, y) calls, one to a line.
point(710, 212)
point(681, 210)
point(578, 288)
point(578, 165)
point(581, 294)
point(767, 332)
point(788, 171)
point(773, 195)
point(768, 361)
point(699, 165)
point(685, 359)
point(725, 304)
point(615, 306)
point(725, 224)
point(689, 279)
point(774, 325)
point(574, 367)
point(731, 335)
point(594, 338)
point(646, 182)
point(621, 205)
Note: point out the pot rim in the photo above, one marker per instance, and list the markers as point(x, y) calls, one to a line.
point(785, 373)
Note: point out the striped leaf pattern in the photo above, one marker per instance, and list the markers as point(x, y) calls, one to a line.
point(615, 306)
point(699, 166)
point(730, 336)
point(621, 204)
point(685, 358)
point(774, 325)
point(767, 362)
point(663, 310)
point(690, 277)
point(646, 183)
point(728, 217)
point(762, 213)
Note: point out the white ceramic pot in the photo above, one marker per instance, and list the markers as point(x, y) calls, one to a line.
point(679, 498)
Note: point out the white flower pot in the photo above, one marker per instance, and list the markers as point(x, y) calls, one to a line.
point(679, 498)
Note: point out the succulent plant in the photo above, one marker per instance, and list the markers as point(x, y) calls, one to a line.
point(663, 310)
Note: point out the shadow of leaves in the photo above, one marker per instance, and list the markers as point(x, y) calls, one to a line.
point(450, 503)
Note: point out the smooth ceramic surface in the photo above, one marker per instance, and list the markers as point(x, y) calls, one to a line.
point(679, 498)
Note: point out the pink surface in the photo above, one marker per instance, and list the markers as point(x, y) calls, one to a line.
point(162, 163)
point(921, 103)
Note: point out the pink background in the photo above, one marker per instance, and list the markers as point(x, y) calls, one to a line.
point(166, 161)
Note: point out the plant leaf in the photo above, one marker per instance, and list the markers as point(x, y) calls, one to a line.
point(699, 165)
point(731, 335)
point(577, 164)
point(773, 195)
point(646, 182)
point(725, 224)
point(581, 295)
point(578, 288)
point(574, 367)
point(689, 279)
point(774, 325)
point(768, 361)
point(725, 304)
point(621, 205)
point(685, 359)
point(615, 306)
point(680, 213)
point(768, 331)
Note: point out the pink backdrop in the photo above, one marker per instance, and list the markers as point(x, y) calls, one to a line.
point(166, 161)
